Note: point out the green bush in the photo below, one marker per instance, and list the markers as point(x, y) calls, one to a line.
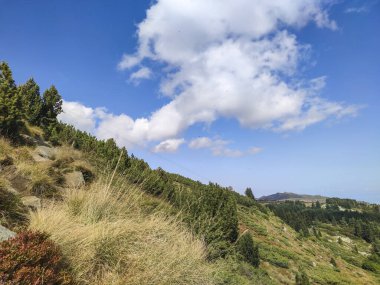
point(248, 250)
point(31, 258)
point(302, 279)
point(12, 211)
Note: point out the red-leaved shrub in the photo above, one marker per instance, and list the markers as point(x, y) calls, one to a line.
point(31, 258)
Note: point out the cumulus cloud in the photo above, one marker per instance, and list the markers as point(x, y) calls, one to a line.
point(233, 62)
point(233, 59)
point(220, 147)
point(74, 113)
point(170, 145)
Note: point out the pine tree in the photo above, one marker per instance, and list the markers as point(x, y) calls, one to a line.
point(31, 101)
point(249, 193)
point(52, 105)
point(10, 104)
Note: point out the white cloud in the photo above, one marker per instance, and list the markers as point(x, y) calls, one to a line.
point(238, 61)
point(170, 145)
point(142, 73)
point(202, 142)
point(74, 113)
point(220, 147)
point(233, 62)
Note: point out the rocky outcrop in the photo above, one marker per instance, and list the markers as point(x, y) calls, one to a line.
point(43, 153)
point(74, 179)
point(5, 233)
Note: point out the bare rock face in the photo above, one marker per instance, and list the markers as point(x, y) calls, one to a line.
point(44, 153)
point(74, 179)
point(32, 202)
point(5, 233)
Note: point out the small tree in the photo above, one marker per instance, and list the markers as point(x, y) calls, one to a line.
point(249, 193)
point(248, 250)
point(302, 279)
point(52, 105)
point(10, 104)
point(31, 101)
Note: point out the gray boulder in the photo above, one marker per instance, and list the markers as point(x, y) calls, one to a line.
point(5, 233)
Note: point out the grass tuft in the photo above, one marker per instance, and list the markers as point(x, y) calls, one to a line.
point(119, 243)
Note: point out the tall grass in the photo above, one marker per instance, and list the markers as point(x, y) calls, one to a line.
point(109, 239)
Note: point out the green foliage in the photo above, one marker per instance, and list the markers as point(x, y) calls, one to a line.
point(10, 104)
point(248, 250)
point(302, 278)
point(31, 101)
point(333, 262)
point(249, 193)
point(52, 105)
point(31, 258)
point(372, 263)
point(12, 211)
point(363, 224)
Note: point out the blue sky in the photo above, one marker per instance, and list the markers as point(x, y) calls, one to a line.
point(279, 96)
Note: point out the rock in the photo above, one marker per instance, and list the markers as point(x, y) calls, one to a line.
point(18, 182)
point(314, 264)
point(44, 153)
point(5, 233)
point(32, 202)
point(34, 141)
point(74, 179)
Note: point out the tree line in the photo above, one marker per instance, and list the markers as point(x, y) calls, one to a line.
point(24, 103)
point(210, 210)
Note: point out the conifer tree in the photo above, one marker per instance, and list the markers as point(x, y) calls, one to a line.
point(31, 101)
point(10, 104)
point(52, 105)
point(249, 193)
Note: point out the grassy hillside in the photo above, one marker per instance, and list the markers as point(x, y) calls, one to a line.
point(87, 212)
point(128, 236)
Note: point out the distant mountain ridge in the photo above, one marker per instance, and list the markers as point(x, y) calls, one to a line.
point(289, 196)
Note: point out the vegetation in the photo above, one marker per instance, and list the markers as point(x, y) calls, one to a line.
point(138, 225)
point(31, 258)
point(362, 224)
point(119, 242)
point(248, 250)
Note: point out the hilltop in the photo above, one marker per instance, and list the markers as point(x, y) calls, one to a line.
point(289, 196)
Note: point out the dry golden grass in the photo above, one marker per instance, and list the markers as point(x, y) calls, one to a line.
point(109, 240)
point(34, 130)
point(5, 148)
point(41, 176)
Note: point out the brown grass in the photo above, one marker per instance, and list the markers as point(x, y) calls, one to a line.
point(109, 240)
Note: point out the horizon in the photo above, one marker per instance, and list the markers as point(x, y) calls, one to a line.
point(286, 100)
